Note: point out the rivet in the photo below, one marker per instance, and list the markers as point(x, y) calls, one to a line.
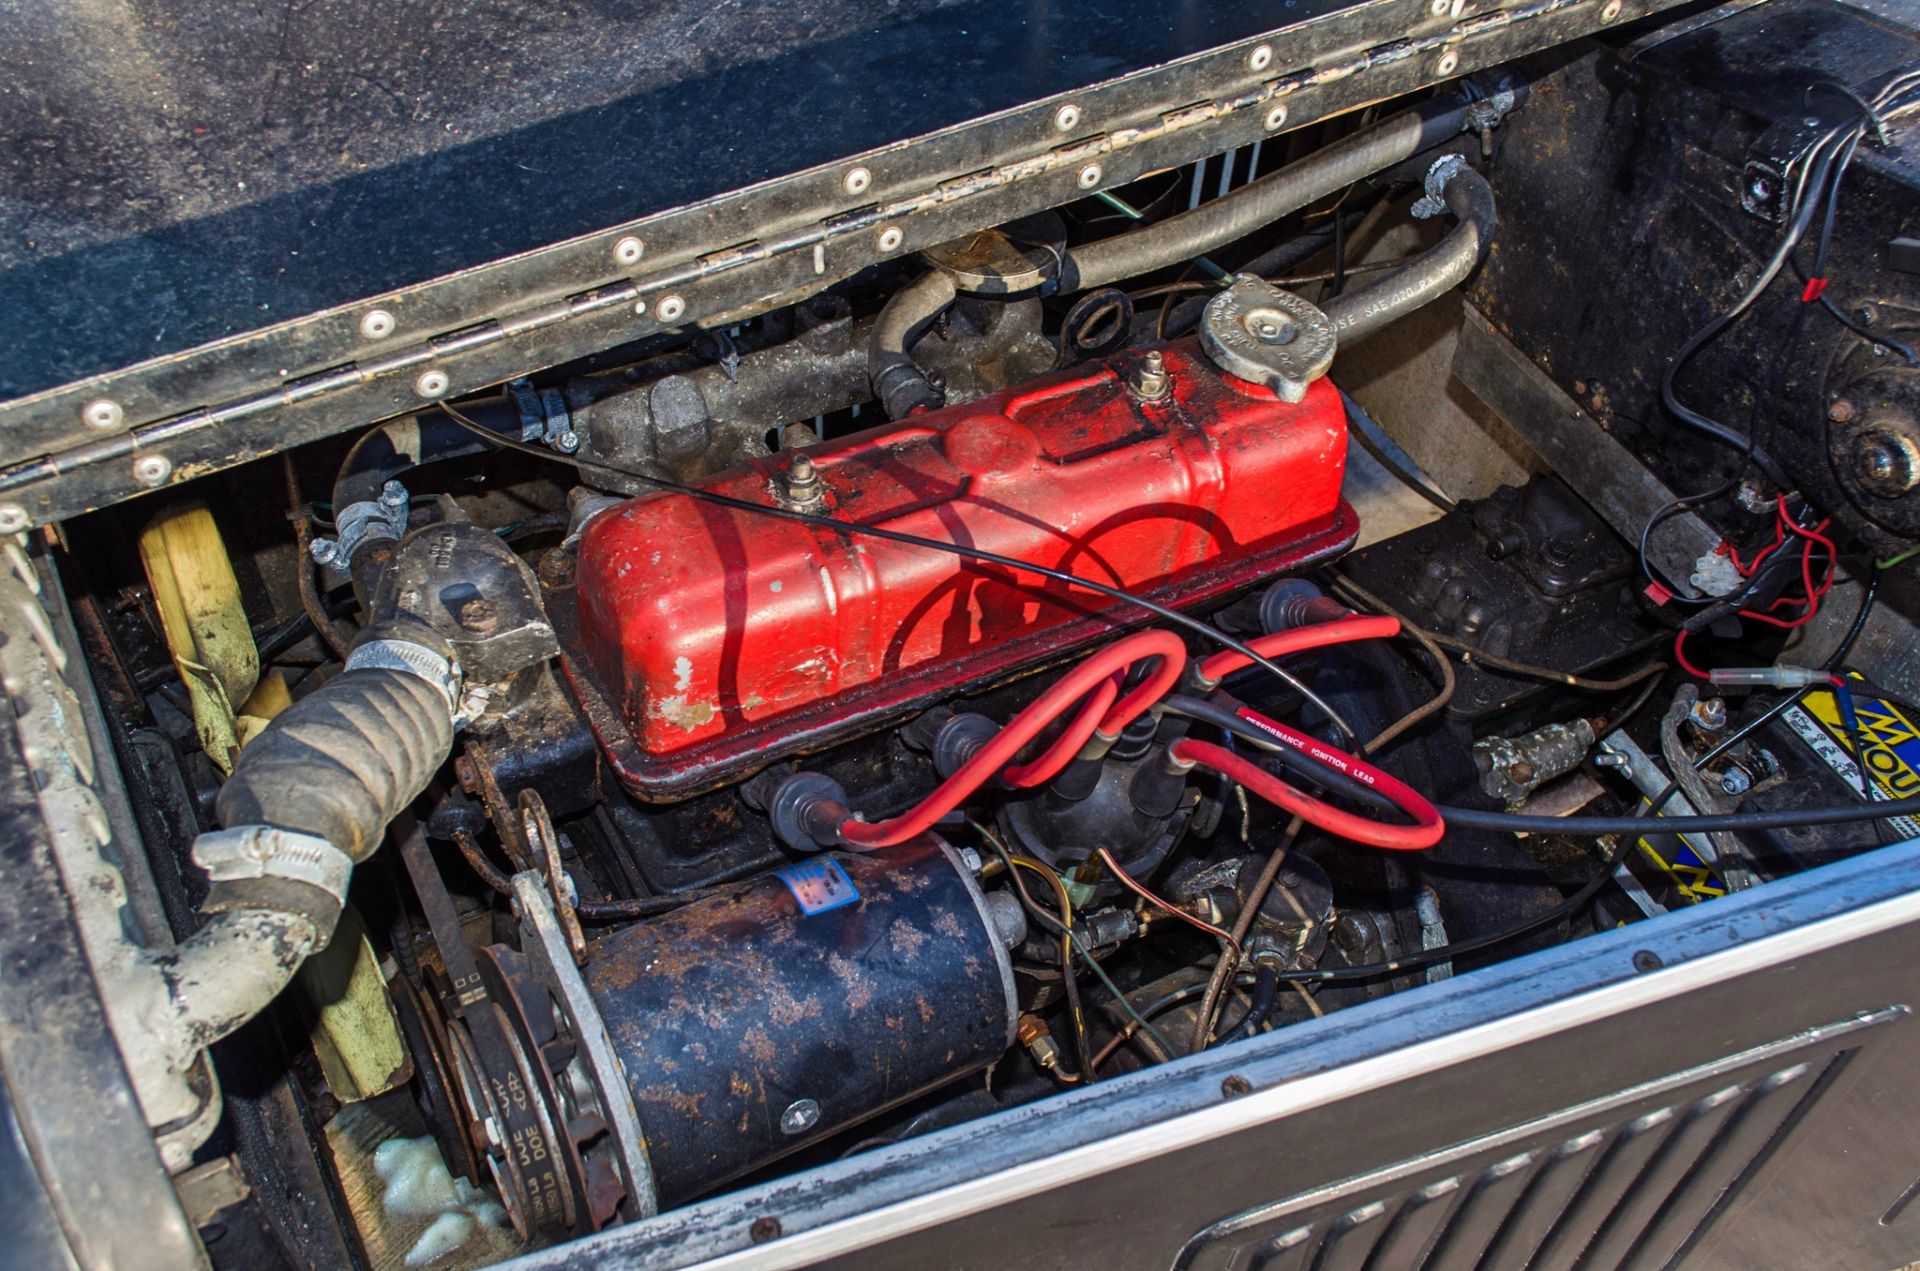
point(1260, 58)
point(1276, 115)
point(1090, 176)
point(629, 250)
point(1611, 11)
point(1440, 8)
point(152, 470)
point(1067, 118)
point(13, 518)
point(432, 384)
point(102, 414)
point(800, 1116)
point(376, 324)
point(857, 180)
point(670, 309)
point(639, 306)
point(891, 238)
point(1448, 61)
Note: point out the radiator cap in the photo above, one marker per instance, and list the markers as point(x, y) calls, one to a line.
point(1254, 331)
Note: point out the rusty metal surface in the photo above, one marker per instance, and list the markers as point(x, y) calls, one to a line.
point(749, 1029)
point(77, 446)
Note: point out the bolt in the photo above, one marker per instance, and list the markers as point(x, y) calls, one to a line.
point(1840, 411)
point(567, 442)
point(1736, 781)
point(478, 615)
point(1645, 960)
point(763, 1230)
point(670, 309)
point(891, 238)
point(102, 414)
point(856, 181)
point(376, 324)
point(1149, 379)
point(1611, 759)
point(152, 470)
point(393, 496)
point(1276, 115)
point(1289, 879)
point(629, 250)
point(1260, 58)
point(432, 384)
point(800, 1116)
point(466, 774)
point(1761, 189)
point(1448, 63)
point(1887, 464)
point(1090, 176)
point(1709, 715)
point(1440, 8)
point(13, 518)
point(1611, 11)
point(1235, 1086)
point(1067, 118)
point(324, 551)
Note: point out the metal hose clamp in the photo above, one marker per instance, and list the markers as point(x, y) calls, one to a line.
point(417, 660)
point(247, 852)
point(1444, 169)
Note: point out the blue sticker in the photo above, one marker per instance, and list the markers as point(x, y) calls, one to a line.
point(819, 885)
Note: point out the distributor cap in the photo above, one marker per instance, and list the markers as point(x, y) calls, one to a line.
point(1256, 332)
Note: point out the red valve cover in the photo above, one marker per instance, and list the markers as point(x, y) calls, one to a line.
point(713, 641)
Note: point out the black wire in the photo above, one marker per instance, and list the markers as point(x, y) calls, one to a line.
point(1224, 719)
point(1174, 616)
point(1360, 429)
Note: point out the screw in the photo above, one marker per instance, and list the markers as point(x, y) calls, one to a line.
point(1235, 1086)
point(891, 238)
point(800, 1116)
point(567, 442)
point(324, 551)
point(629, 250)
point(1090, 176)
point(13, 518)
point(763, 1230)
point(478, 615)
point(1440, 8)
point(102, 414)
point(152, 470)
point(432, 384)
point(670, 309)
point(1841, 411)
point(1260, 58)
point(1150, 377)
point(856, 181)
point(1761, 189)
point(1067, 118)
point(393, 496)
point(1735, 781)
point(1646, 960)
point(1276, 115)
point(376, 324)
point(1448, 62)
point(1611, 11)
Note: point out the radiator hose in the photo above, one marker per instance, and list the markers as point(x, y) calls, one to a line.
point(309, 798)
point(1464, 193)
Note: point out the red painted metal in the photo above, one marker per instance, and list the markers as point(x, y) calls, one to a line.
point(712, 641)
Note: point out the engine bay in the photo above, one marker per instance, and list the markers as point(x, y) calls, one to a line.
point(1209, 600)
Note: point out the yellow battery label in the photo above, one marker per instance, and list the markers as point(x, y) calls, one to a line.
point(1891, 742)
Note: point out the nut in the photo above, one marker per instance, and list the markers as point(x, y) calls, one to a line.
point(377, 324)
point(629, 250)
point(1149, 379)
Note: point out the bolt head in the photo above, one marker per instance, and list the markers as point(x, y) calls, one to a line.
point(1067, 118)
point(393, 495)
point(567, 442)
point(1840, 411)
point(324, 551)
point(629, 250)
point(799, 1116)
point(152, 470)
point(376, 324)
point(1735, 781)
point(1760, 188)
point(102, 414)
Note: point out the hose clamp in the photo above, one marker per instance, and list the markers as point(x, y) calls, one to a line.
point(1444, 169)
point(250, 852)
point(419, 661)
point(367, 521)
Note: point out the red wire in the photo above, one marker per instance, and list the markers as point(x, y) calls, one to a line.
point(1113, 866)
point(1060, 697)
point(1071, 739)
point(1424, 833)
point(1299, 640)
point(1680, 658)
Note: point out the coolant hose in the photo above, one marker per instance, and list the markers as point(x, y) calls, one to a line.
point(899, 385)
point(1431, 274)
point(384, 453)
point(309, 798)
point(1258, 203)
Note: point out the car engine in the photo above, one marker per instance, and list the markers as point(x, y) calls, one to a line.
point(967, 631)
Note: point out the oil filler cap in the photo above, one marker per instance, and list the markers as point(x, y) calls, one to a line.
point(1256, 332)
